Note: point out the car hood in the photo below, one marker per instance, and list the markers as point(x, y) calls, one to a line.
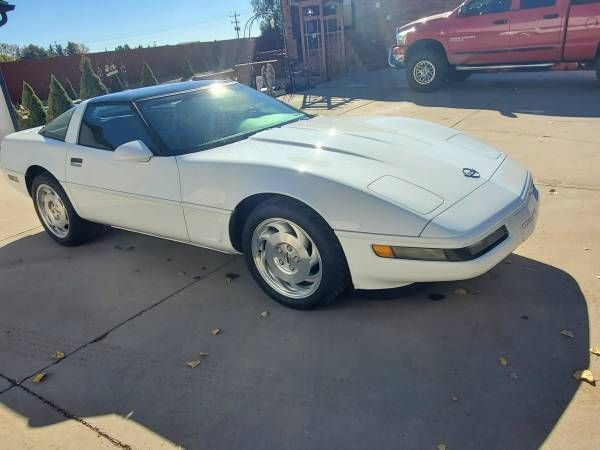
point(418, 165)
point(426, 20)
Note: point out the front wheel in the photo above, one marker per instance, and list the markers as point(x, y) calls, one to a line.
point(294, 255)
point(426, 71)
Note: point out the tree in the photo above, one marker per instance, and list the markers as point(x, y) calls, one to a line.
point(148, 78)
point(70, 90)
point(269, 14)
point(115, 83)
point(56, 50)
point(58, 100)
point(33, 51)
point(73, 48)
point(187, 71)
point(90, 85)
point(8, 52)
point(36, 115)
point(121, 48)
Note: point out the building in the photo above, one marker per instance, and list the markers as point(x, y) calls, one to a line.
point(329, 37)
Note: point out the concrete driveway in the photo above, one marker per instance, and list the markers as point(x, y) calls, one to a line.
point(375, 370)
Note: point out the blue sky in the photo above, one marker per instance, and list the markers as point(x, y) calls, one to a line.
point(104, 24)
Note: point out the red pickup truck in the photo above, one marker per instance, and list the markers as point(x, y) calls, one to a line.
point(499, 35)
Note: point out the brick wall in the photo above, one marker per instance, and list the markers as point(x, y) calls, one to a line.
point(165, 61)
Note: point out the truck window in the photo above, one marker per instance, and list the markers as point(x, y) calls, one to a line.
point(530, 4)
point(482, 7)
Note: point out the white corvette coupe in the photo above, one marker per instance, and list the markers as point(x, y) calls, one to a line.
point(315, 204)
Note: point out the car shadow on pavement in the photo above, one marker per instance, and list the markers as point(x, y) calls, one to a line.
point(569, 94)
point(409, 372)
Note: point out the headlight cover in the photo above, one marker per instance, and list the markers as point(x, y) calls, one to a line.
point(402, 36)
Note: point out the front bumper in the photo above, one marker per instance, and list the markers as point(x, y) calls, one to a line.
point(396, 57)
point(372, 272)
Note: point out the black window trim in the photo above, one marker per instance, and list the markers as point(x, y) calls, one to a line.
point(535, 7)
point(136, 111)
point(43, 131)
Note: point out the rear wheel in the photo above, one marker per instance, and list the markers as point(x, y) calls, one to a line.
point(426, 70)
point(294, 255)
point(57, 215)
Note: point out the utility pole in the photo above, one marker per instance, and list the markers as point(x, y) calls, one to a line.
point(236, 22)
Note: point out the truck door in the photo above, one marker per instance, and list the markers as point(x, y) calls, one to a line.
point(479, 32)
point(536, 30)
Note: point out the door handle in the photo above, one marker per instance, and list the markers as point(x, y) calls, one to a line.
point(76, 162)
point(551, 16)
point(500, 22)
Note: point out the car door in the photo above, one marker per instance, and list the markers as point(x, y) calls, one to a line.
point(139, 196)
point(479, 32)
point(536, 30)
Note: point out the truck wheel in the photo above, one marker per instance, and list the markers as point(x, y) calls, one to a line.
point(426, 71)
point(458, 75)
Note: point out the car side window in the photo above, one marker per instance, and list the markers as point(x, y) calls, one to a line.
point(483, 7)
point(106, 126)
point(57, 128)
point(530, 4)
point(584, 2)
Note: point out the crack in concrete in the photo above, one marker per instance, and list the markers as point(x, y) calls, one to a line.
point(63, 412)
point(67, 414)
point(129, 319)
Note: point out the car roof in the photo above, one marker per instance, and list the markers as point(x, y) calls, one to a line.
point(133, 95)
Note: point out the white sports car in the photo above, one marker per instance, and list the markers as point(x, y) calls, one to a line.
point(315, 204)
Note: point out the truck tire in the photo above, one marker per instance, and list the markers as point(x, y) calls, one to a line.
point(426, 70)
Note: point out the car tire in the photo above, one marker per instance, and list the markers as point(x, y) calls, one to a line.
point(458, 75)
point(56, 213)
point(426, 70)
point(293, 254)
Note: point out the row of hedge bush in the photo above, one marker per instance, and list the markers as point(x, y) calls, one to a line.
point(32, 112)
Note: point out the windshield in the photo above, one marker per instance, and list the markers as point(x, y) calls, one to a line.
point(219, 115)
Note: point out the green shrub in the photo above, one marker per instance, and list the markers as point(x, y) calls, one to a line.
point(34, 108)
point(58, 100)
point(91, 85)
point(187, 71)
point(70, 90)
point(115, 84)
point(148, 78)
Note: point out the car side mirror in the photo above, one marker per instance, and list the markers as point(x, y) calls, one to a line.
point(135, 151)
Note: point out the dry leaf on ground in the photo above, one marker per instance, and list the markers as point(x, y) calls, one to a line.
point(503, 361)
point(265, 314)
point(38, 378)
point(230, 277)
point(567, 333)
point(595, 351)
point(585, 375)
point(442, 446)
point(215, 331)
point(58, 355)
point(454, 398)
point(196, 362)
point(553, 191)
point(460, 291)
